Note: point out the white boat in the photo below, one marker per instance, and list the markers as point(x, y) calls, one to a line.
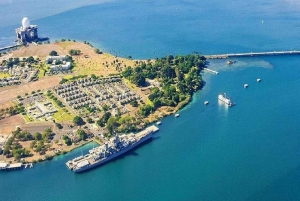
point(225, 100)
point(245, 85)
point(206, 102)
point(158, 123)
point(258, 80)
point(176, 115)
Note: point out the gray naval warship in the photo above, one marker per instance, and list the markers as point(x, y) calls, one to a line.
point(113, 148)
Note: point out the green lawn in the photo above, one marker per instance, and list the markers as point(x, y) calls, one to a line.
point(41, 73)
point(61, 115)
point(68, 77)
point(27, 118)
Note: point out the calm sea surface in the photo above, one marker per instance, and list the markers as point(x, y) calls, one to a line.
point(248, 152)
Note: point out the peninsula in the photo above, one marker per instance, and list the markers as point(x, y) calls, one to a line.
point(58, 96)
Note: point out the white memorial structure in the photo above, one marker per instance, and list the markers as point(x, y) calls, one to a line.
point(26, 33)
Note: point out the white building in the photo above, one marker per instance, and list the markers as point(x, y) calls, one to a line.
point(27, 32)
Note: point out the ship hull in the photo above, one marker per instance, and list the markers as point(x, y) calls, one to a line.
point(123, 151)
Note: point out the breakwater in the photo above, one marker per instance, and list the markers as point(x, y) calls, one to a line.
point(8, 47)
point(252, 54)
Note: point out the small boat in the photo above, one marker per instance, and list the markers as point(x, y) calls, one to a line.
point(229, 62)
point(245, 85)
point(158, 123)
point(206, 102)
point(258, 80)
point(176, 115)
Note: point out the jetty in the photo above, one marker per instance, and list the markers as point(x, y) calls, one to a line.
point(212, 71)
point(252, 54)
point(8, 47)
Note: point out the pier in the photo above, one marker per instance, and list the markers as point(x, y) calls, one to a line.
point(8, 47)
point(8, 166)
point(212, 71)
point(252, 54)
point(14, 166)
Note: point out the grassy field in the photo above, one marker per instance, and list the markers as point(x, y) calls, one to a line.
point(27, 118)
point(68, 77)
point(61, 115)
point(3, 75)
point(41, 73)
point(129, 84)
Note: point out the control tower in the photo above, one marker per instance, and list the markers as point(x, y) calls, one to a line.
point(26, 33)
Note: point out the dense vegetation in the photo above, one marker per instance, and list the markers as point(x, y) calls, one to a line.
point(12, 110)
point(73, 52)
point(78, 121)
point(16, 61)
point(178, 78)
point(15, 149)
point(173, 80)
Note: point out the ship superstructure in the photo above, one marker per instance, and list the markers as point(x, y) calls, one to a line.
point(113, 148)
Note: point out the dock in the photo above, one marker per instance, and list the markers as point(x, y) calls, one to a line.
point(152, 128)
point(212, 71)
point(10, 166)
point(14, 166)
point(252, 54)
point(8, 47)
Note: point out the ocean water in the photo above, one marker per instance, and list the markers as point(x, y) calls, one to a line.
point(247, 152)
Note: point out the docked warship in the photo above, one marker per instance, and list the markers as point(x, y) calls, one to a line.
point(117, 146)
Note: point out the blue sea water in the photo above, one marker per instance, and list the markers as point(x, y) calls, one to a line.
point(248, 152)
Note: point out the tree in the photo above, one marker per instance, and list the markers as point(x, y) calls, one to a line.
point(67, 140)
point(138, 79)
point(58, 125)
point(105, 107)
point(127, 72)
point(30, 59)
point(134, 103)
point(33, 144)
point(81, 134)
point(53, 53)
point(97, 51)
point(78, 121)
point(46, 134)
point(112, 124)
point(37, 136)
point(90, 120)
point(93, 76)
point(74, 52)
